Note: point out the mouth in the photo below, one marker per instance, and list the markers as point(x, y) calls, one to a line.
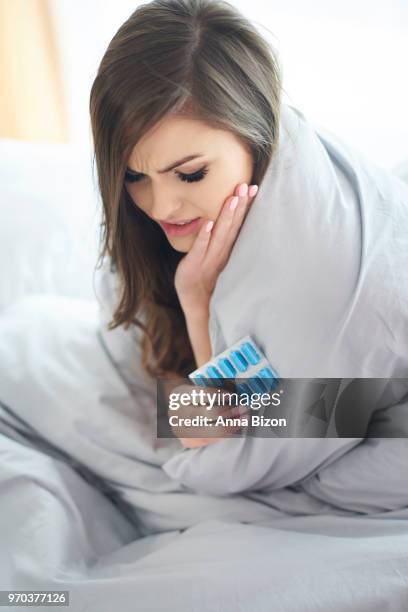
point(181, 228)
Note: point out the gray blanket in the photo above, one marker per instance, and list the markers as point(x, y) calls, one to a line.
point(92, 502)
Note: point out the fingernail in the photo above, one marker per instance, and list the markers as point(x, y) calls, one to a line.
point(252, 190)
point(234, 203)
point(243, 190)
point(209, 226)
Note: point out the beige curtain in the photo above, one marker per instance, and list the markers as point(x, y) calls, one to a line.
point(32, 103)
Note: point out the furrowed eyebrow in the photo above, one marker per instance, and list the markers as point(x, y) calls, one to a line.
point(173, 165)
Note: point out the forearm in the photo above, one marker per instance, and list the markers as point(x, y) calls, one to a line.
point(197, 327)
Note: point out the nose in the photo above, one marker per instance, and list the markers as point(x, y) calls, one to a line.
point(165, 207)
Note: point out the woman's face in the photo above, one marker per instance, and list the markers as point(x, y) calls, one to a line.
point(165, 192)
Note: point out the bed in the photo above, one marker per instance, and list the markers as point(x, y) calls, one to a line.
point(85, 504)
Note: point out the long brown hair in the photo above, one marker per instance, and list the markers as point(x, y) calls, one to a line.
point(199, 58)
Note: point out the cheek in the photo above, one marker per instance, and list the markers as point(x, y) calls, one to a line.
point(136, 195)
point(229, 176)
point(131, 192)
point(211, 200)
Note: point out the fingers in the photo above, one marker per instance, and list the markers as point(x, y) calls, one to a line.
point(217, 433)
point(245, 200)
point(221, 230)
point(214, 239)
point(213, 432)
point(209, 431)
point(229, 223)
point(196, 442)
point(199, 247)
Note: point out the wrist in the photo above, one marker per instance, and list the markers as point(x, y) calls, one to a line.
point(197, 321)
point(197, 313)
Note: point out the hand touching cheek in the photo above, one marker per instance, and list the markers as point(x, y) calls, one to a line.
point(197, 272)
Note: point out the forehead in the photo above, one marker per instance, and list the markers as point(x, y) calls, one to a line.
point(172, 138)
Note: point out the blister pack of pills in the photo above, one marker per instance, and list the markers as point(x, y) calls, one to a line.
point(242, 360)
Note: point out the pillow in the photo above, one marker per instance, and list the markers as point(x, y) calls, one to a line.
point(49, 220)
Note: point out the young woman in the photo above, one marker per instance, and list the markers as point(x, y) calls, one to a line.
point(186, 114)
point(183, 130)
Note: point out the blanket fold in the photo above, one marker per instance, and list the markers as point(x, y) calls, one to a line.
point(93, 502)
point(318, 277)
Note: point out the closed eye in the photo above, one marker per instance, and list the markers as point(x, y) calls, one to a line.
point(133, 177)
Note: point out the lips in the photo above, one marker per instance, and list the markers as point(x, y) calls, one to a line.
point(172, 229)
point(181, 222)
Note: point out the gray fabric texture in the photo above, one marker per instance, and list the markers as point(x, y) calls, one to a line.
point(91, 501)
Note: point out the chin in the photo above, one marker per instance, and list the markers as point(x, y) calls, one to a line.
point(182, 244)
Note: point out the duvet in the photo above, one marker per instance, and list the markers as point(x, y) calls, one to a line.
point(92, 502)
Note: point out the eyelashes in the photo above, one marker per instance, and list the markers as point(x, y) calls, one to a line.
point(191, 178)
point(188, 178)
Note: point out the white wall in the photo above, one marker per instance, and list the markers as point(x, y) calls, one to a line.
point(344, 63)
